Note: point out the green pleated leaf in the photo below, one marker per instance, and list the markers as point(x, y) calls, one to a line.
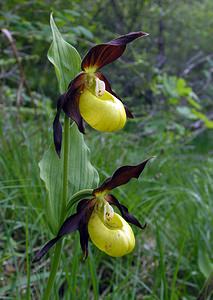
point(64, 57)
point(81, 175)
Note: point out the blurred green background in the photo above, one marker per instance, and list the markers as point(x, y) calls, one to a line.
point(166, 81)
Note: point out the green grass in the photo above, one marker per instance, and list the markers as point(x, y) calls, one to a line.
point(173, 197)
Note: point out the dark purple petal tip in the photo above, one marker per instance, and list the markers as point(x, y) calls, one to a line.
point(57, 128)
point(71, 104)
point(45, 249)
point(84, 238)
point(127, 38)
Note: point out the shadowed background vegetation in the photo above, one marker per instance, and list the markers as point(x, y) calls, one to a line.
point(166, 81)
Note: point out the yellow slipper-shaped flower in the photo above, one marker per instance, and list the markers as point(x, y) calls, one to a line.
point(113, 236)
point(103, 113)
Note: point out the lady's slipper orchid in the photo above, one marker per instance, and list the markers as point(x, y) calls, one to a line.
point(89, 94)
point(95, 218)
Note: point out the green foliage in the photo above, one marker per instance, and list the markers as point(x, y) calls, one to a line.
point(64, 57)
point(180, 100)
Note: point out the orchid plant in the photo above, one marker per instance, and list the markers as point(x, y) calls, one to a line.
point(70, 178)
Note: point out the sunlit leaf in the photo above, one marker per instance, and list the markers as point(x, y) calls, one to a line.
point(182, 88)
point(194, 103)
point(208, 123)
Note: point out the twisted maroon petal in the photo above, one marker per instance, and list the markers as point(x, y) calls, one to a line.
point(122, 176)
point(124, 211)
point(71, 103)
point(71, 224)
point(84, 238)
point(57, 128)
point(106, 53)
point(75, 222)
point(71, 109)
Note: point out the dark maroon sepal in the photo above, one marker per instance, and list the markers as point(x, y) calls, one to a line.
point(71, 104)
point(124, 211)
point(57, 128)
point(106, 53)
point(109, 89)
point(122, 176)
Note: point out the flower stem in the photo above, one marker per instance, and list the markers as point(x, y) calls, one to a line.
point(65, 166)
point(57, 253)
point(54, 267)
point(28, 295)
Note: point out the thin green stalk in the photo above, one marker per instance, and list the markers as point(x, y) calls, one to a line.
point(173, 288)
point(65, 166)
point(57, 253)
point(94, 276)
point(53, 271)
point(27, 257)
